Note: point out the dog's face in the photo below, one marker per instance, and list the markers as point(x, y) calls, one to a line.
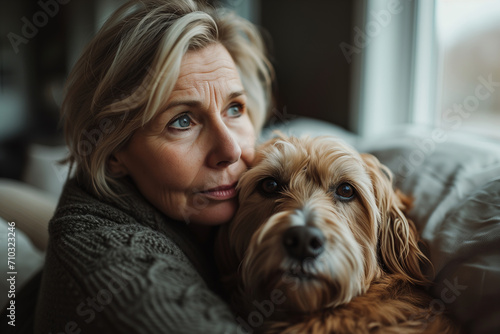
point(316, 223)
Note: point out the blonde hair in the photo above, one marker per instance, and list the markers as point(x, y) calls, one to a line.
point(130, 68)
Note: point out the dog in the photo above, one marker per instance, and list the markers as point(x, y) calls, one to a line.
point(321, 244)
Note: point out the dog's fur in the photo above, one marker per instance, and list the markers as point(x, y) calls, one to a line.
point(368, 277)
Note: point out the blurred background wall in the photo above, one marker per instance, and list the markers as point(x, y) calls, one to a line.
point(40, 41)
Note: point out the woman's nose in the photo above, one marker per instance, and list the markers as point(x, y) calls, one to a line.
point(225, 149)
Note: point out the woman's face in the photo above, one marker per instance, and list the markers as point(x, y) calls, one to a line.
point(187, 161)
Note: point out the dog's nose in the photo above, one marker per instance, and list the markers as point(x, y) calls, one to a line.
point(302, 242)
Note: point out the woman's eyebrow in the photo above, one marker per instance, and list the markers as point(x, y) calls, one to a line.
point(196, 103)
point(189, 103)
point(234, 95)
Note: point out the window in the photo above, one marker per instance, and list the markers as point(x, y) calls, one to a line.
point(468, 35)
point(428, 63)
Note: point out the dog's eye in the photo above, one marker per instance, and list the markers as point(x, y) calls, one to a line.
point(345, 191)
point(269, 186)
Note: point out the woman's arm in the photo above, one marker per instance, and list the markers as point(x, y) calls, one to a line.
point(129, 279)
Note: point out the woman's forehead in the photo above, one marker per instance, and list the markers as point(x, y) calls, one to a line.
point(205, 69)
point(211, 59)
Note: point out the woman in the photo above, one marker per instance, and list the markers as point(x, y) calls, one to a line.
point(161, 115)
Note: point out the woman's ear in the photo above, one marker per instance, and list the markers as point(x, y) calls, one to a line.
point(116, 165)
point(397, 235)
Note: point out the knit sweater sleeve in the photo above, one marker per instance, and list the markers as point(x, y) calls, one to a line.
point(105, 277)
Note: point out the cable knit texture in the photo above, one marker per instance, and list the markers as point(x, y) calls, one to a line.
point(125, 268)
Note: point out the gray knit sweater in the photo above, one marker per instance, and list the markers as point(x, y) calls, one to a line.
point(114, 268)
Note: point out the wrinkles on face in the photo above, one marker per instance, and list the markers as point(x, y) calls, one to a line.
point(211, 97)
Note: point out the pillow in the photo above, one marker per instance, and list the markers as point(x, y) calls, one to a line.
point(456, 189)
point(29, 207)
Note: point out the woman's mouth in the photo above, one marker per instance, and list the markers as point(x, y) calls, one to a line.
point(221, 193)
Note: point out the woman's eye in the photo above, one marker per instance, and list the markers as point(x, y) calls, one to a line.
point(236, 110)
point(345, 192)
point(181, 123)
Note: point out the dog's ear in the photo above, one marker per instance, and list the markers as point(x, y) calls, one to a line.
point(264, 147)
point(397, 235)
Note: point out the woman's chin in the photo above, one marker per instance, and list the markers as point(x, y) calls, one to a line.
point(214, 213)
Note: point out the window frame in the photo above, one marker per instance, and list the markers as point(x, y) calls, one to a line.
point(405, 55)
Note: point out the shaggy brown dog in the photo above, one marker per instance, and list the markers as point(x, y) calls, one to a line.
point(321, 244)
